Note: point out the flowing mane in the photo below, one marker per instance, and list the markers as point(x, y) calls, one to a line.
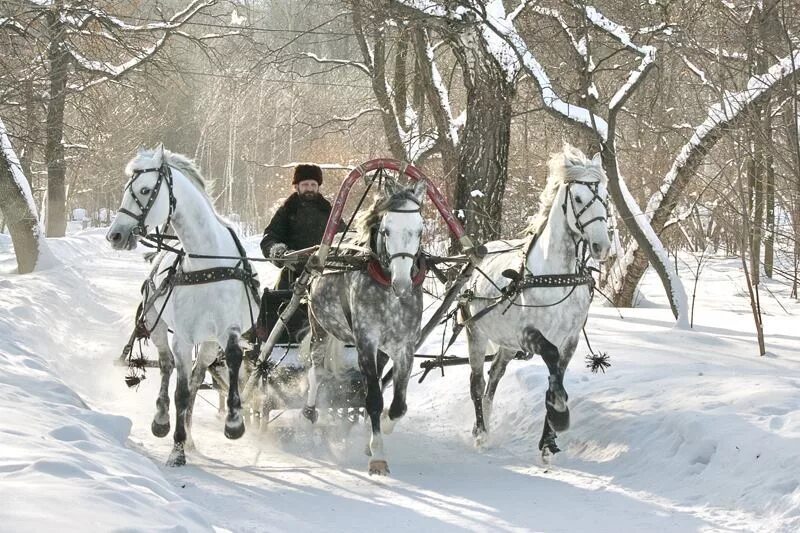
point(568, 165)
point(185, 165)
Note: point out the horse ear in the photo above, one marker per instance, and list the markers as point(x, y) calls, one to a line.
point(158, 155)
point(572, 156)
point(389, 187)
point(420, 189)
point(141, 149)
point(597, 159)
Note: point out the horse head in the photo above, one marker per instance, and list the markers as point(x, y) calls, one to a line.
point(147, 200)
point(585, 203)
point(399, 235)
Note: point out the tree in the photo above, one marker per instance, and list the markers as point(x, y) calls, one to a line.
point(81, 45)
point(19, 211)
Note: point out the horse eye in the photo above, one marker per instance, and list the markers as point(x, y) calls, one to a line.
point(144, 191)
point(578, 199)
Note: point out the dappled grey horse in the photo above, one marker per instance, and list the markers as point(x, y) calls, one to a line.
point(379, 319)
point(533, 294)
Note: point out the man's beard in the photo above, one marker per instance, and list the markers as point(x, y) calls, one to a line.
point(309, 195)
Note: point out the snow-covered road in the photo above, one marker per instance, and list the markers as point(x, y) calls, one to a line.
point(689, 430)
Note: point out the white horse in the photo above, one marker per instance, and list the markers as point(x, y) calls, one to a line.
point(379, 309)
point(211, 302)
point(533, 294)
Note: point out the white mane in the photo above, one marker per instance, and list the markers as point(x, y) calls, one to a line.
point(185, 165)
point(568, 165)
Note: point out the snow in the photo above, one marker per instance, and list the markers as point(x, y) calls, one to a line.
point(477, 193)
point(688, 431)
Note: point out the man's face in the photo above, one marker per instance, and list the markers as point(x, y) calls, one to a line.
point(307, 189)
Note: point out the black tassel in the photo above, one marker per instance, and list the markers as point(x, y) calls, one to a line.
point(597, 361)
point(132, 380)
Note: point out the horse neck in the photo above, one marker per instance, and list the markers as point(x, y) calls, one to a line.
point(554, 251)
point(197, 226)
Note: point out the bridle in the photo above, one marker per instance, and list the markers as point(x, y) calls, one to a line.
point(384, 257)
point(164, 175)
point(594, 187)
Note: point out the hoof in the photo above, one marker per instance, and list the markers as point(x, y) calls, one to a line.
point(549, 447)
point(481, 440)
point(310, 413)
point(177, 457)
point(378, 467)
point(159, 430)
point(234, 430)
point(387, 424)
point(548, 452)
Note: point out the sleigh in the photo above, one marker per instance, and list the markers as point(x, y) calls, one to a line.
point(276, 384)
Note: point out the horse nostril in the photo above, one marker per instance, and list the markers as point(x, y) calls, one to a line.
point(116, 236)
point(596, 248)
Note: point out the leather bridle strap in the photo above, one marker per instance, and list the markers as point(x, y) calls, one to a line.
point(164, 174)
point(593, 185)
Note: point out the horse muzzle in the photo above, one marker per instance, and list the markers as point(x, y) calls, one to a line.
point(121, 239)
point(599, 250)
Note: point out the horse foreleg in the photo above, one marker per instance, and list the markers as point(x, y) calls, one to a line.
point(166, 363)
point(555, 396)
point(400, 376)
point(234, 423)
point(547, 444)
point(476, 343)
point(496, 372)
point(183, 364)
point(374, 403)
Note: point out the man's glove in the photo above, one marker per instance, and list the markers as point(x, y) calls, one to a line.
point(277, 250)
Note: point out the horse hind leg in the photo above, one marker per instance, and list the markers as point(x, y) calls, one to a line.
point(234, 423)
point(166, 363)
point(205, 356)
point(496, 372)
point(322, 344)
point(476, 343)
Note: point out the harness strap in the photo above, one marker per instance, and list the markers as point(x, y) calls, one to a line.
point(211, 275)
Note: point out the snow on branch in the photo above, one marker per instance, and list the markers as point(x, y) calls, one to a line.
point(549, 95)
point(621, 34)
point(8, 22)
point(441, 92)
point(110, 71)
point(345, 62)
point(700, 73)
point(16, 169)
point(80, 17)
point(723, 114)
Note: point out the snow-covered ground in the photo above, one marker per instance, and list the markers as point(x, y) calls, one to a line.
point(688, 430)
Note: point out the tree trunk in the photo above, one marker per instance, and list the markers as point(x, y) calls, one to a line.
point(615, 189)
point(484, 142)
point(54, 146)
point(23, 225)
